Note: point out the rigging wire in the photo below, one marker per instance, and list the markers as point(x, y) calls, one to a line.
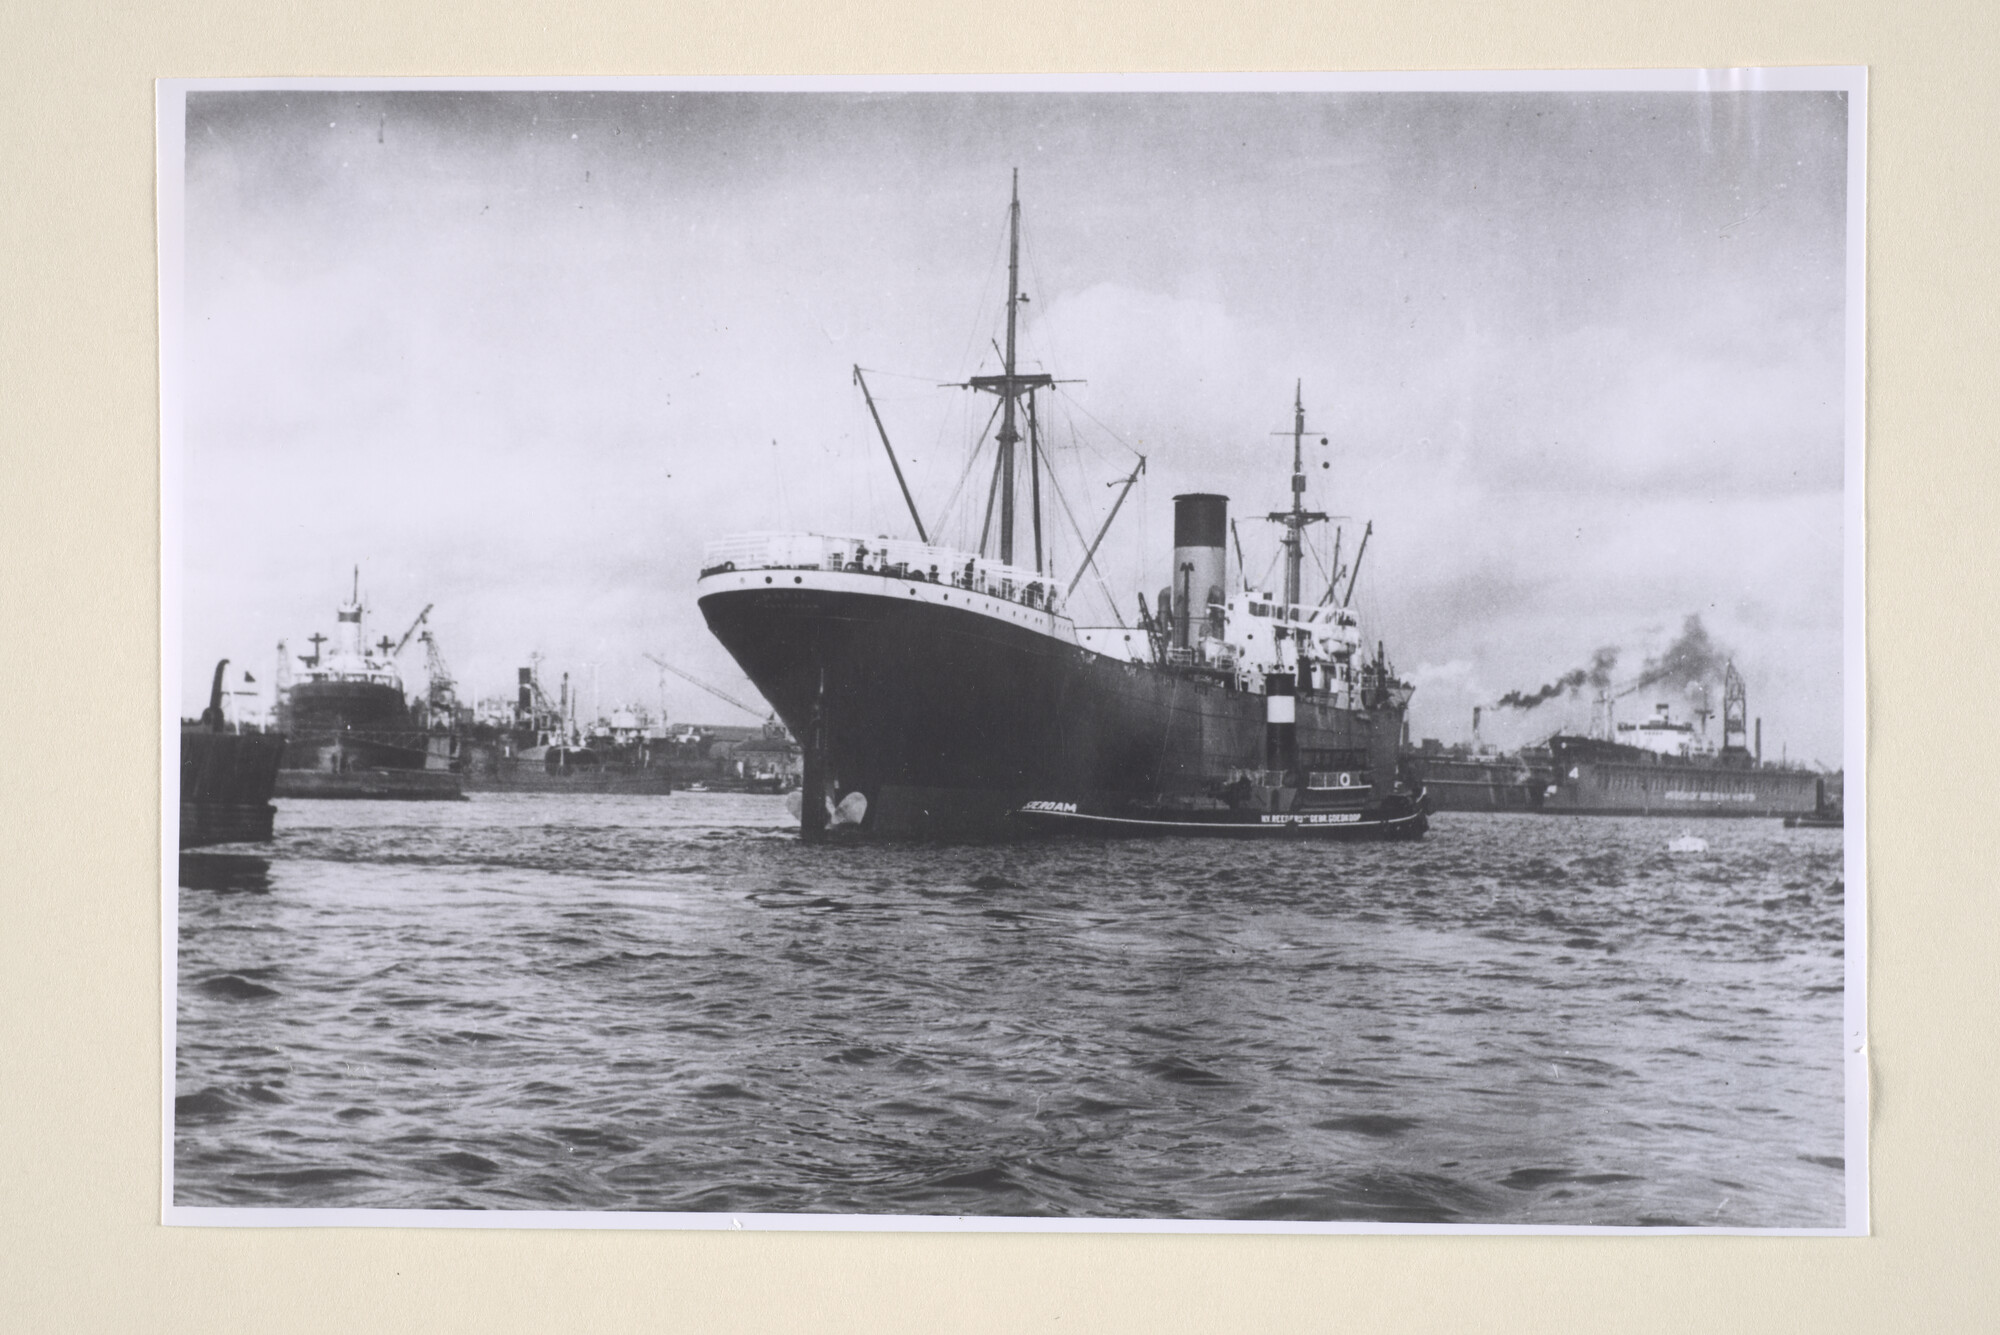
point(1107, 430)
point(945, 514)
point(1083, 544)
point(981, 321)
point(1076, 448)
point(1035, 276)
point(1264, 580)
point(901, 375)
point(986, 525)
point(956, 421)
point(1318, 564)
point(865, 427)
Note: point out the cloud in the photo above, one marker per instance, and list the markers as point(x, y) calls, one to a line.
point(1578, 358)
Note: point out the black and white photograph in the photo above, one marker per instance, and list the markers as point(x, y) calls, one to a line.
point(1169, 653)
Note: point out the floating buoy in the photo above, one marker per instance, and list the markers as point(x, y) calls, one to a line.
point(851, 809)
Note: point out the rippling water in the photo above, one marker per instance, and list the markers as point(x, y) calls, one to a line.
point(669, 1004)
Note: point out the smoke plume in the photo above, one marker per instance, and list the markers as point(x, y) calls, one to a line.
point(1568, 681)
point(1690, 660)
point(1598, 674)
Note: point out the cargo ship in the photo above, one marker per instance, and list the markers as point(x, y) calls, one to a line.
point(946, 693)
point(1663, 766)
point(350, 730)
point(1478, 777)
point(1468, 781)
point(541, 749)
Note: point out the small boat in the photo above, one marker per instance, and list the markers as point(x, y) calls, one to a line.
point(1254, 811)
point(1826, 813)
point(1687, 843)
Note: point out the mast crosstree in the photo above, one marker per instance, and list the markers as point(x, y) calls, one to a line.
point(1010, 386)
point(1298, 518)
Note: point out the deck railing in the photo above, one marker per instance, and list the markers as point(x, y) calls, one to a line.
point(892, 558)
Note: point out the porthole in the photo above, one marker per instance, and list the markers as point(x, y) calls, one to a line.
point(798, 579)
point(767, 579)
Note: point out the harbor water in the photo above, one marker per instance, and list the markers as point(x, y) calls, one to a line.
point(669, 1004)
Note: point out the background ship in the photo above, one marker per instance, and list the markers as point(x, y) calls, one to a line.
point(949, 690)
point(1478, 777)
point(362, 731)
point(1668, 767)
point(543, 748)
point(351, 733)
point(227, 778)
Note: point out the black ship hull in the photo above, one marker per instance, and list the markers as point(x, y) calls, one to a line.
point(371, 785)
point(338, 725)
point(488, 771)
point(1464, 784)
point(950, 718)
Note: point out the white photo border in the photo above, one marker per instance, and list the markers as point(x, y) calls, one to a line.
point(171, 108)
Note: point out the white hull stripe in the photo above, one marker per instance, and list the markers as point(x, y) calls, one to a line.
point(1215, 825)
point(1054, 625)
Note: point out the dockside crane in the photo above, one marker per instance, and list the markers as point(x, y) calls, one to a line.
point(396, 651)
point(404, 643)
point(1735, 708)
point(443, 692)
point(770, 718)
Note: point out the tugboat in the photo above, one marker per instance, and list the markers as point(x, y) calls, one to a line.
point(947, 693)
point(1827, 812)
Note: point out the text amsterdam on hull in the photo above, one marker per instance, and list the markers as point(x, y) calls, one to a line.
point(939, 693)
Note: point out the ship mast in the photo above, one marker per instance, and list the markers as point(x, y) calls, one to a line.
point(1010, 387)
point(1008, 435)
point(1298, 517)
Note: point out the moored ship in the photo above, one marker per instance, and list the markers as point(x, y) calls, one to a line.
point(942, 692)
point(542, 749)
point(1667, 767)
point(1478, 777)
point(226, 778)
point(350, 729)
point(1459, 780)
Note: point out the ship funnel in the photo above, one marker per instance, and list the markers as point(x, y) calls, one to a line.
point(1201, 562)
point(347, 630)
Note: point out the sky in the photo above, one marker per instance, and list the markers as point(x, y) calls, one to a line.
point(1577, 357)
